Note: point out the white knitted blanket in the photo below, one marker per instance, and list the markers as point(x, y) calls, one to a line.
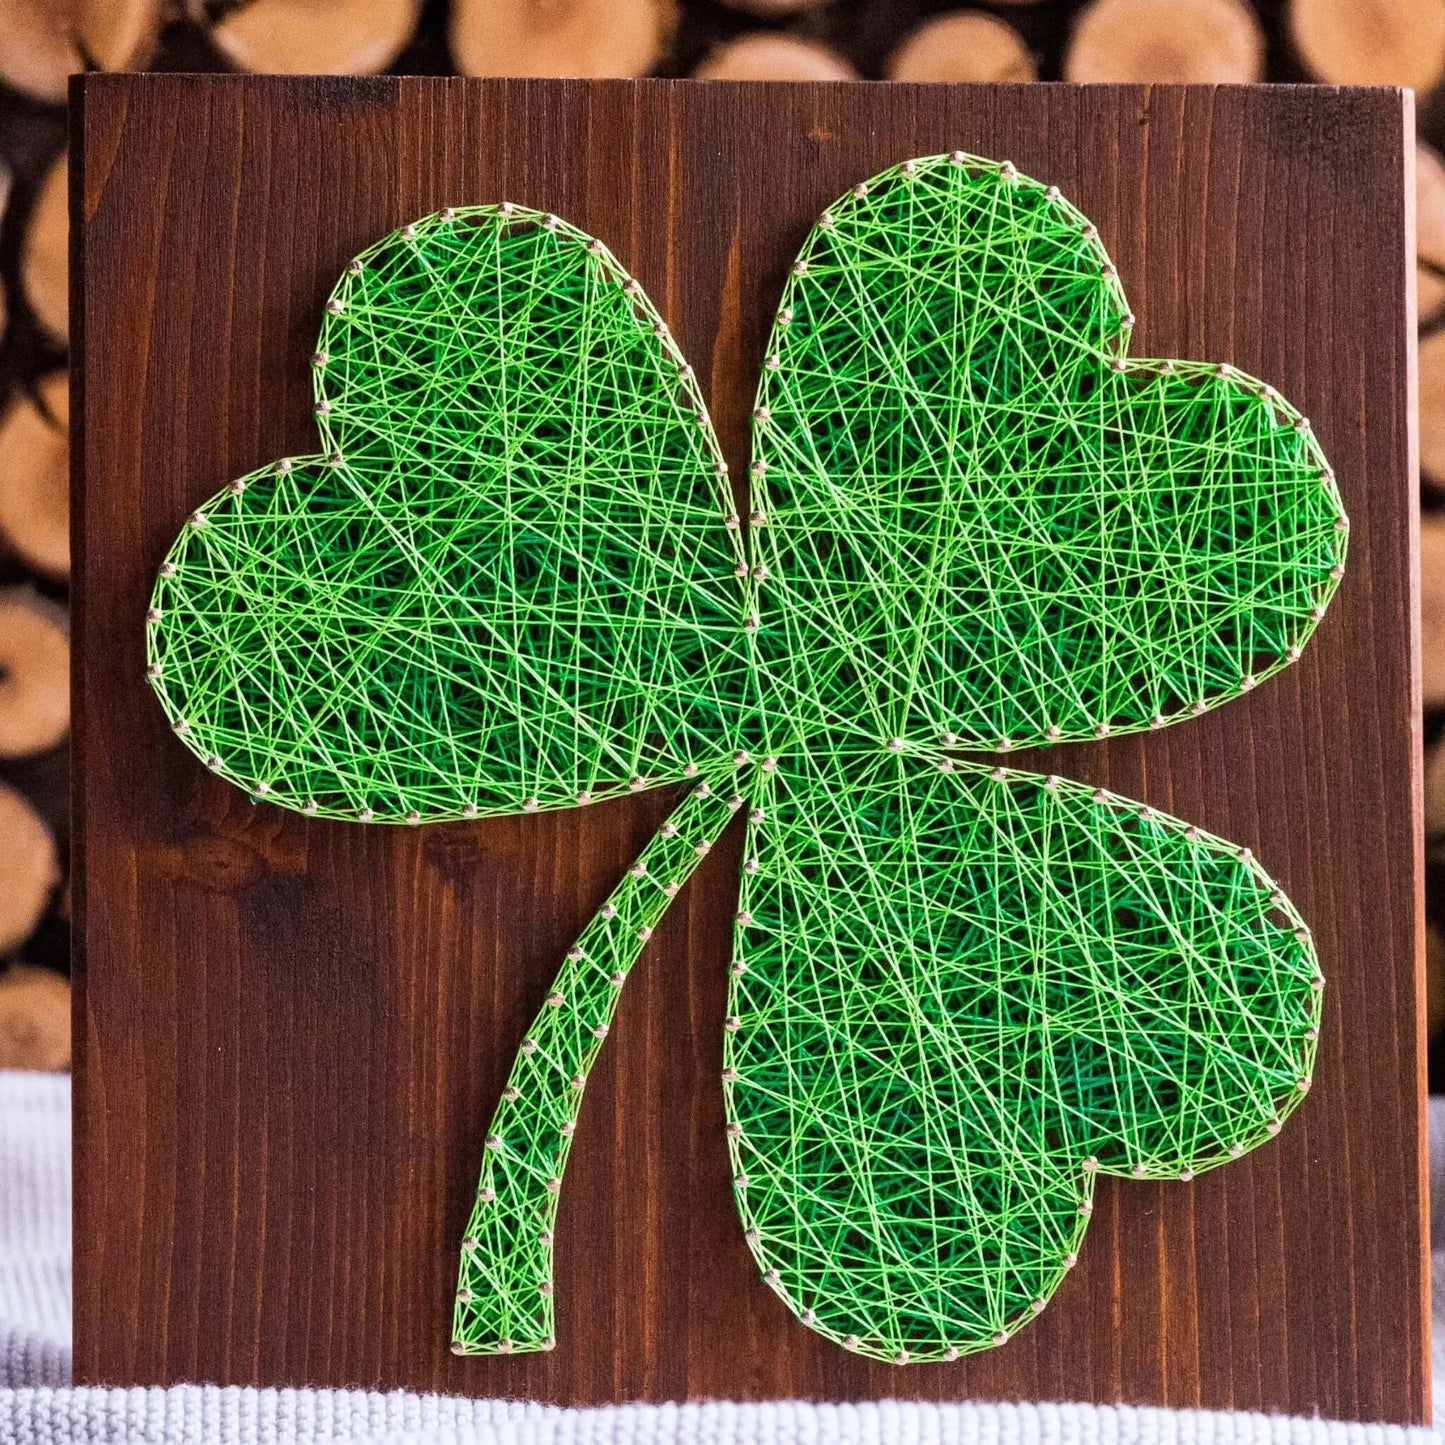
point(38, 1408)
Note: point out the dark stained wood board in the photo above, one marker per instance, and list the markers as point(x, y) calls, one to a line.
point(291, 1033)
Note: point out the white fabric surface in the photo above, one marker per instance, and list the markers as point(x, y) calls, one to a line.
point(36, 1408)
point(34, 1230)
point(192, 1413)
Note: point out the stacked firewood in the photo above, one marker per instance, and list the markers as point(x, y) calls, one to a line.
point(43, 42)
point(34, 550)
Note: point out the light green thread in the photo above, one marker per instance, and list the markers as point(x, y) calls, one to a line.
point(961, 992)
point(504, 584)
point(986, 523)
point(513, 580)
point(504, 1294)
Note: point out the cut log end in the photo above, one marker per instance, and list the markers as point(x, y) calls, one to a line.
point(29, 868)
point(1370, 42)
point(594, 39)
point(1432, 611)
point(962, 46)
point(45, 262)
point(35, 477)
point(1430, 232)
point(316, 37)
point(1432, 408)
point(120, 34)
point(44, 42)
point(1183, 42)
point(34, 1019)
point(768, 56)
point(34, 673)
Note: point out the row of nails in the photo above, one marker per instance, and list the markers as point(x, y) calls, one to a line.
point(577, 954)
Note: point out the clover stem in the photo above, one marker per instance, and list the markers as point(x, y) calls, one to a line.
point(504, 1286)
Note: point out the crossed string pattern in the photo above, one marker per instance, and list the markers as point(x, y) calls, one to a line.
point(504, 584)
point(514, 579)
point(505, 1290)
point(987, 522)
point(960, 994)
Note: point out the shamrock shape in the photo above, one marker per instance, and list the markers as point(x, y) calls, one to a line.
point(514, 579)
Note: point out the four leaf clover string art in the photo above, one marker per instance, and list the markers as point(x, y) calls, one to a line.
point(513, 577)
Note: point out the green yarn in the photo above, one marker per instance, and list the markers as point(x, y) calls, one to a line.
point(504, 1291)
point(965, 992)
point(986, 521)
point(502, 585)
point(513, 579)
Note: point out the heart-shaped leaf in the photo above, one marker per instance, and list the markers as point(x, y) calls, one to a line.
point(504, 584)
point(962, 992)
point(986, 523)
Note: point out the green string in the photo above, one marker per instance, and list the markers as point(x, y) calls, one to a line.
point(504, 1293)
point(501, 586)
point(962, 992)
point(986, 522)
point(513, 578)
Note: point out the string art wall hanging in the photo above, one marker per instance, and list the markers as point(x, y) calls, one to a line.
point(514, 577)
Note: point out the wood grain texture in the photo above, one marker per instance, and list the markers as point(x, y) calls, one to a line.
point(292, 1033)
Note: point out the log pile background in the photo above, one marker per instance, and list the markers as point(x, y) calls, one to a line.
point(1396, 42)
